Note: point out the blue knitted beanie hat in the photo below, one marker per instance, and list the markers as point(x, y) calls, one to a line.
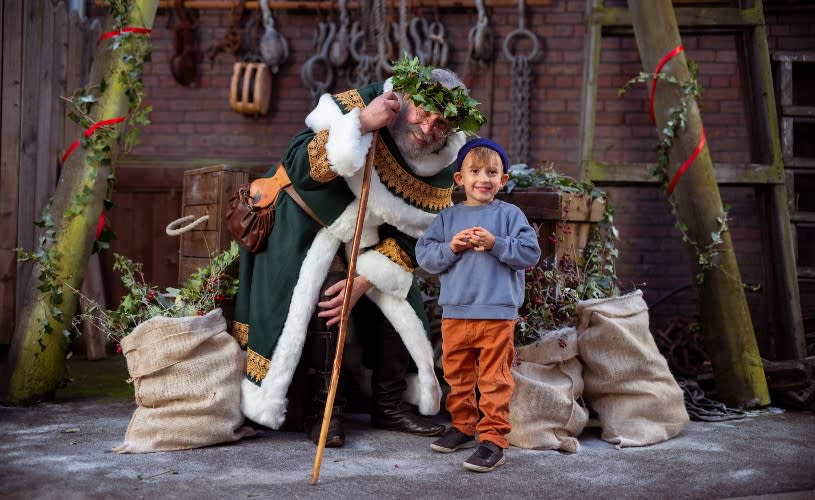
point(482, 142)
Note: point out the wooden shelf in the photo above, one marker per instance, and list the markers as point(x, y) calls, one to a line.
point(798, 111)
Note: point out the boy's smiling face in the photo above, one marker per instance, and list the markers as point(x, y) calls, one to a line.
point(481, 175)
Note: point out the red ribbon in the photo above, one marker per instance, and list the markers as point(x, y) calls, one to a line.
point(688, 162)
point(111, 34)
point(670, 55)
point(100, 225)
point(88, 133)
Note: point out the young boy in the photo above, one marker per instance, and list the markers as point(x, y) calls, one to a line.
point(480, 250)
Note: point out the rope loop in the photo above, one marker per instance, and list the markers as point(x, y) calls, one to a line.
point(173, 229)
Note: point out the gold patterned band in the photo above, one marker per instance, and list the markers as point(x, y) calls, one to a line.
point(390, 249)
point(256, 366)
point(241, 333)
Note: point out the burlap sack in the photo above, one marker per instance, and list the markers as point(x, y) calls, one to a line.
point(187, 374)
point(627, 380)
point(544, 411)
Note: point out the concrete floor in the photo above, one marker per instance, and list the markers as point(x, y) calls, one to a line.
point(61, 450)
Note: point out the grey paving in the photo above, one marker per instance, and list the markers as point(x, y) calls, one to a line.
point(61, 451)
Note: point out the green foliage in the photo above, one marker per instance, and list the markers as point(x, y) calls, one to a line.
point(553, 291)
point(706, 253)
point(460, 110)
point(205, 290)
point(133, 50)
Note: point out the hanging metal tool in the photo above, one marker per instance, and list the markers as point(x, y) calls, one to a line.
point(373, 37)
point(340, 48)
point(319, 61)
point(438, 45)
point(274, 49)
point(184, 63)
point(421, 43)
point(401, 31)
point(519, 139)
point(232, 38)
point(480, 37)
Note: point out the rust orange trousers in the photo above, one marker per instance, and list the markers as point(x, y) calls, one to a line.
point(479, 352)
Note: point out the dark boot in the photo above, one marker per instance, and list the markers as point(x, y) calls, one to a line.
point(321, 347)
point(390, 366)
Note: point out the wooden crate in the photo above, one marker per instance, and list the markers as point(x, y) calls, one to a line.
point(206, 192)
point(563, 219)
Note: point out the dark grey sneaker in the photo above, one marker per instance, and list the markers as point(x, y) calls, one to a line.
point(487, 457)
point(452, 440)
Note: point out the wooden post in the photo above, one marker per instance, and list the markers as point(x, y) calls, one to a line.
point(726, 323)
point(36, 359)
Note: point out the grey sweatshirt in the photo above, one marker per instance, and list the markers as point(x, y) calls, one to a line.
point(480, 285)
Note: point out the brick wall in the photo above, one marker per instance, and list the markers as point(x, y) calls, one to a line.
point(197, 123)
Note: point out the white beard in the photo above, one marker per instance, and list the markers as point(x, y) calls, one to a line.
point(424, 159)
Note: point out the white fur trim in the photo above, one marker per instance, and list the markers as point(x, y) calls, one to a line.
point(347, 147)
point(266, 404)
point(392, 209)
point(413, 393)
point(411, 330)
point(343, 226)
point(384, 274)
point(325, 113)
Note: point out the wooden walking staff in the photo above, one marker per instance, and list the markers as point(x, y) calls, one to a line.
point(349, 283)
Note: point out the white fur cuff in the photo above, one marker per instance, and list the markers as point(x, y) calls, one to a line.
point(386, 275)
point(259, 407)
point(347, 147)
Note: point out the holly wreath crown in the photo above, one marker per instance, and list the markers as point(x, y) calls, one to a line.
point(456, 106)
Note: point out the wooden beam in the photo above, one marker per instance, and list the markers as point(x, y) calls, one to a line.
point(686, 17)
point(588, 110)
point(326, 5)
point(725, 316)
point(638, 173)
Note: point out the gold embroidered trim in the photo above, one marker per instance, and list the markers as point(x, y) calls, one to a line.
point(320, 170)
point(350, 99)
point(394, 252)
point(256, 365)
point(393, 175)
point(241, 333)
point(412, 189)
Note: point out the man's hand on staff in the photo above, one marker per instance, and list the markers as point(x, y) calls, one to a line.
point(332, 308)
point(380, 112)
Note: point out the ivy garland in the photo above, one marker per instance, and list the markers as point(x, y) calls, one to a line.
point(455, 105)
point(705, 254)
point(554, 289)
point(134, 50)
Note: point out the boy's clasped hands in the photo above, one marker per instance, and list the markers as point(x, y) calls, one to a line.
point(477, 238)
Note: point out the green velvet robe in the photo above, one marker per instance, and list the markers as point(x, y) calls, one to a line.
point(279, 285)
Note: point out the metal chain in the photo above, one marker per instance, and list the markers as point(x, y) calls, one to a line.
point(519, 141)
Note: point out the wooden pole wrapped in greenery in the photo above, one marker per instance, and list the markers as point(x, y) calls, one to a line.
point(37, 356)
point(728, 329)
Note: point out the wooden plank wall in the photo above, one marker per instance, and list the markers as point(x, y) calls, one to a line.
point(146, 199)
point(45, 56)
